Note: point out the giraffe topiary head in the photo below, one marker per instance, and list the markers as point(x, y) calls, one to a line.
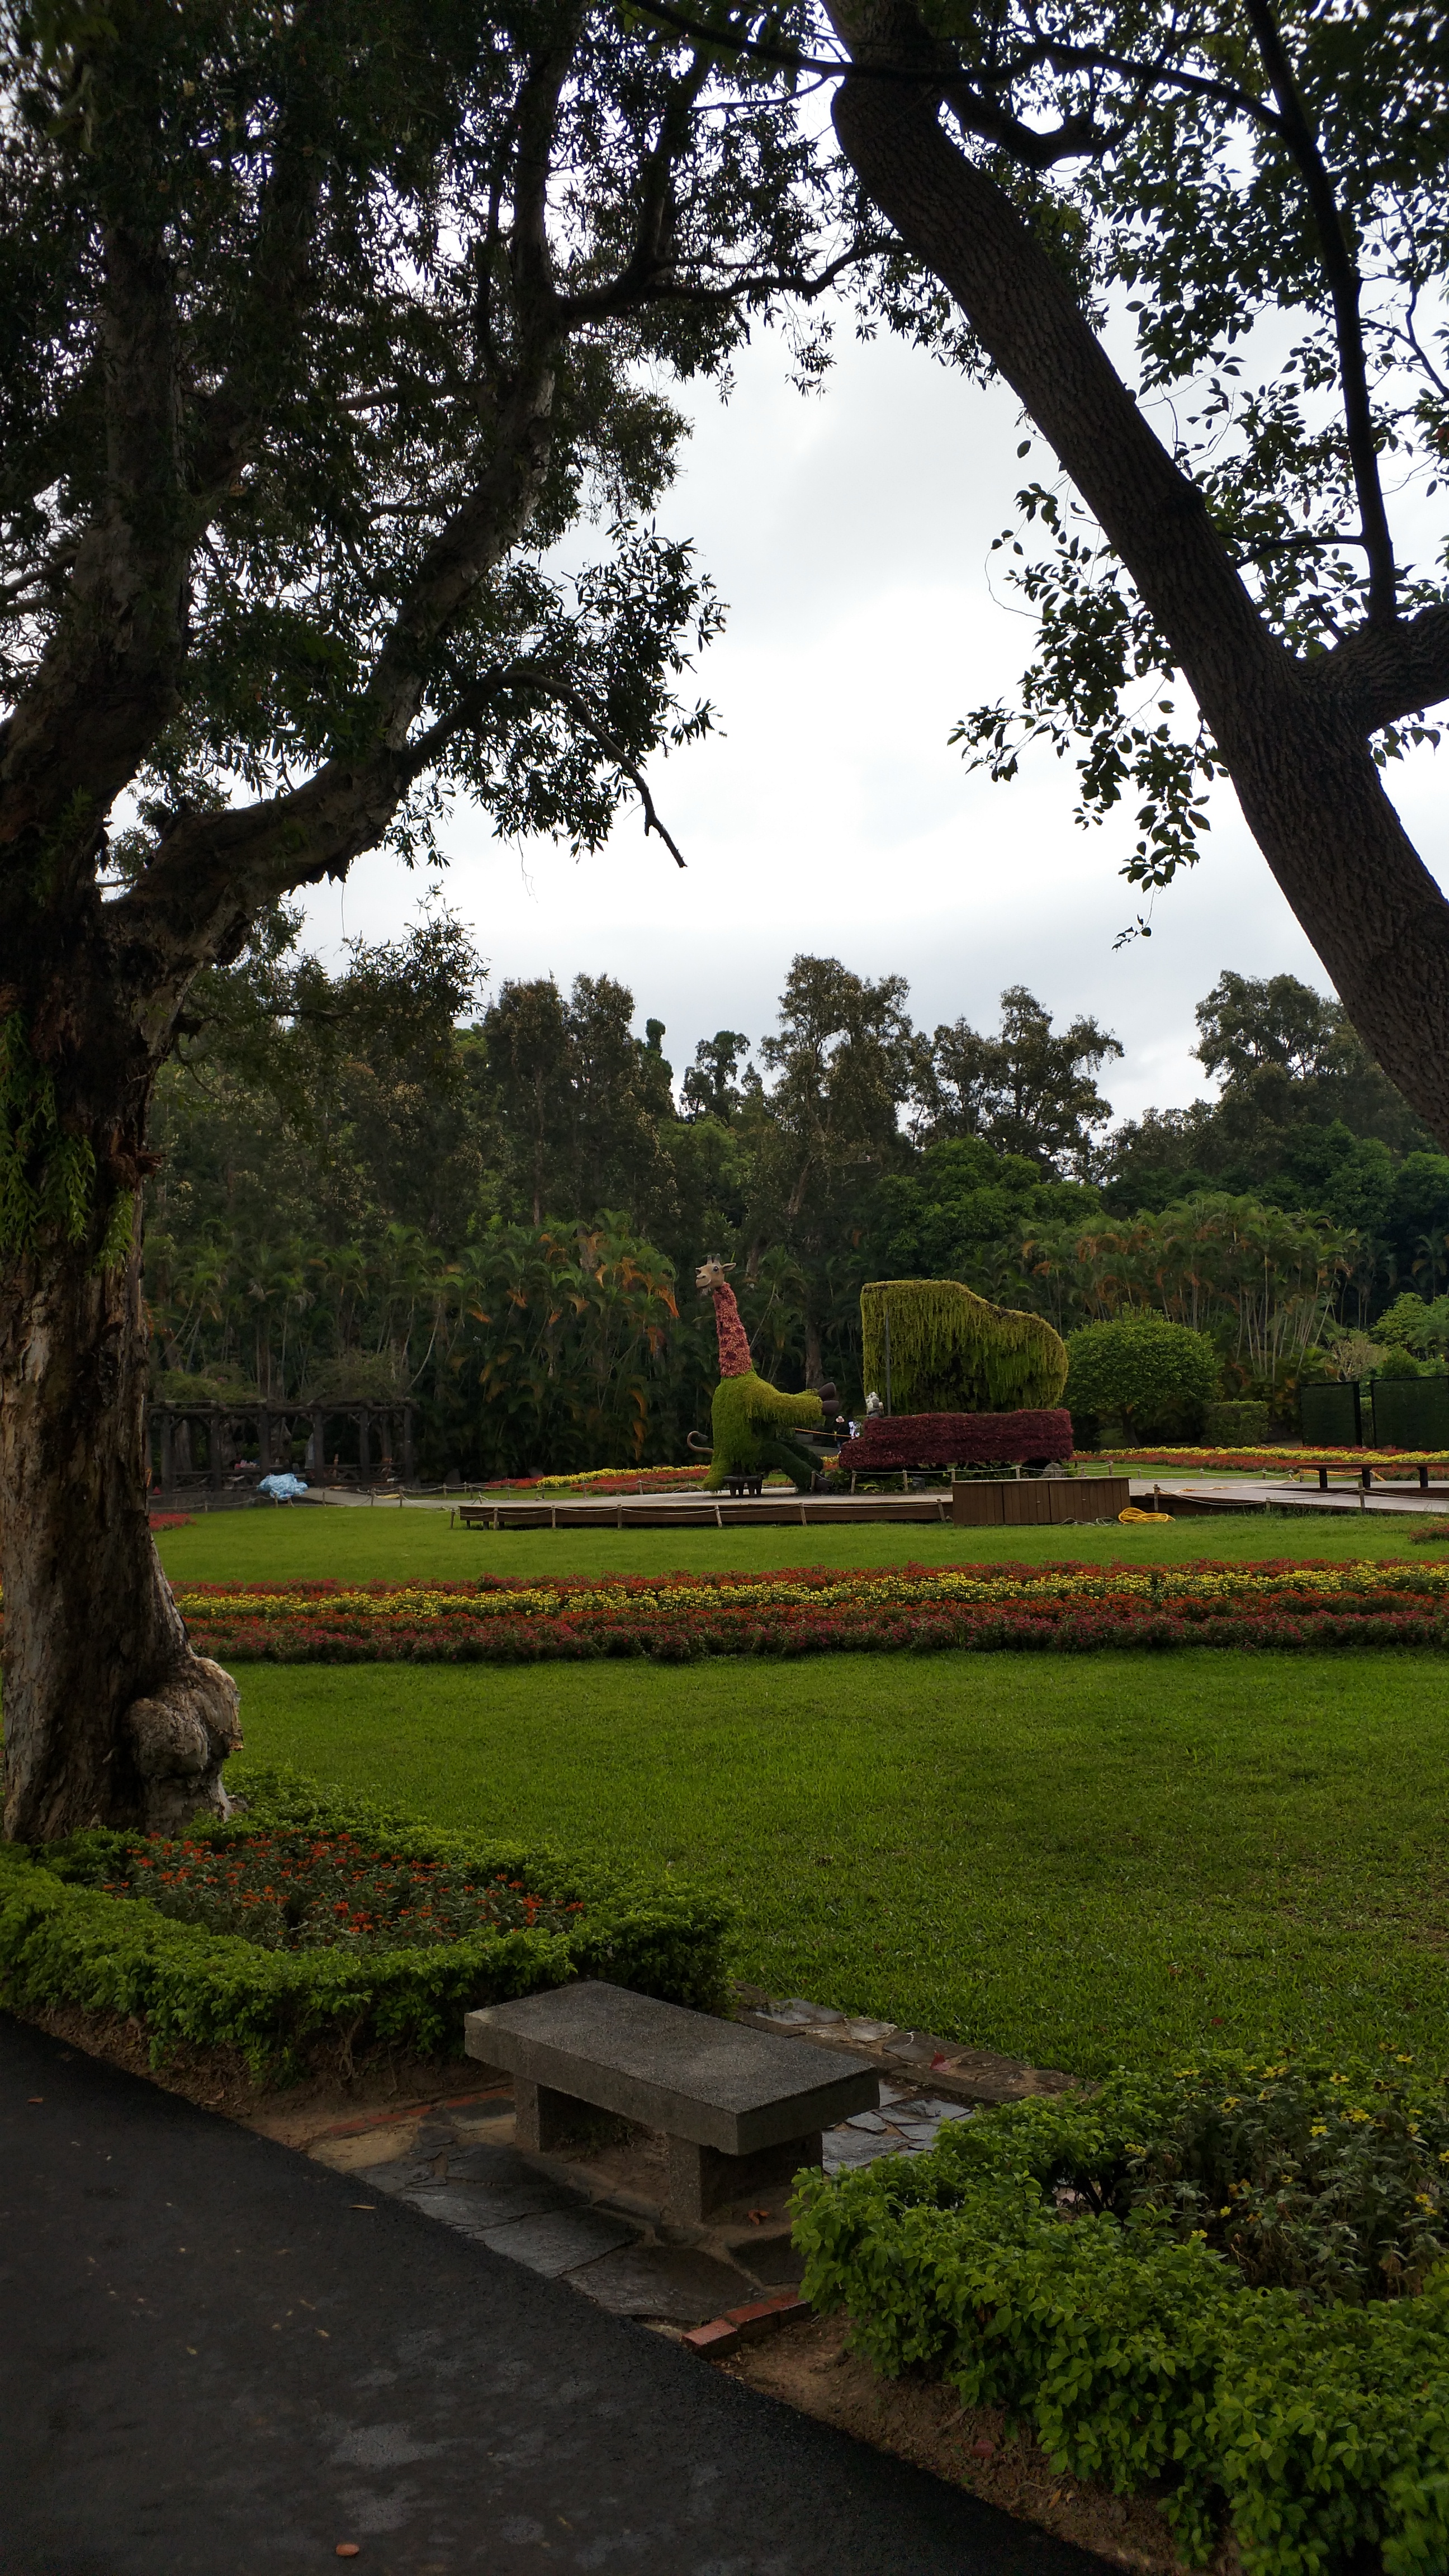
point(712, 1277)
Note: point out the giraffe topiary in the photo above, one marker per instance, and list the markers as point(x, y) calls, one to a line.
point(748, 1414)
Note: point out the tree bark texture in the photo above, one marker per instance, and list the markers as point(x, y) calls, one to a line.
point(109, 1716)
point(1291, 733)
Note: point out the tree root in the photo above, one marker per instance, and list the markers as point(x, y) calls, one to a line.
point(179, 1737)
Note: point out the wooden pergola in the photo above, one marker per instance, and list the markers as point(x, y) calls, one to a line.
point(384, 1414)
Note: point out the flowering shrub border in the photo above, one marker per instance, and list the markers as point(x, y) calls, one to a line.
point(1002, 2262)
point(601, 1480)
point(1067, 1607)
point(62, 1941)
point(889, 1442)
point(1255, 1460)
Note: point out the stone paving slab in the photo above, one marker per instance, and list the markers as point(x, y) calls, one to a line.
point(515, 2203)
point(560, 2240)
point(482, 2213)
point(673, 2282)
point(215, 2363)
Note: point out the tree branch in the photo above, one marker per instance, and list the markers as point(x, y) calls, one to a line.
point(1344, 287)
point(109, 678)
point(538, 676)
point(1385, 672)
point(740, 284)
point(1035, 146)
point(230, 418)
point(954, 217)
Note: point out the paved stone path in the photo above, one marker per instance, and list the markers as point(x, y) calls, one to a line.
point(219, 2358)
point(573, 2222)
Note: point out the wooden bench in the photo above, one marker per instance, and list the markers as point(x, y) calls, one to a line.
point(741, 2110)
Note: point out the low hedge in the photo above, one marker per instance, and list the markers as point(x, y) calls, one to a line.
point(64, 1942)
point(1235, 1424)
point(1083, 2264)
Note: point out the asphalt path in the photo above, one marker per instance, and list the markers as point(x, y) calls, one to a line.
point(214, 2362)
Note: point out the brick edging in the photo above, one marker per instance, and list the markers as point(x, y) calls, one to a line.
point(723, 2335)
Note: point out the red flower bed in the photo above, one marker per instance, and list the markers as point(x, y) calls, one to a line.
point(311, 1892)
point(170, 1520)
point(1064, 1607)
point(898, 1440)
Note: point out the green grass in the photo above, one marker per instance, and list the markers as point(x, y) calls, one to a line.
point(356, 1543)
point(1079, 1860)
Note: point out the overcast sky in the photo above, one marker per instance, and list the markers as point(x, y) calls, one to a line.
point(849, 533)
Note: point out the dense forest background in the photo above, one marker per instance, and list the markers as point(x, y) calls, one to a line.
point(389, 1181)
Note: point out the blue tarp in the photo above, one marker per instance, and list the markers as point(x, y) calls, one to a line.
point(283, 1489)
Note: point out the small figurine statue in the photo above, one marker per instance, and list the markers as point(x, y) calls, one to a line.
point(874, 1408)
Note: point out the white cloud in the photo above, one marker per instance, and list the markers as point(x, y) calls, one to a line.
point(850, 534)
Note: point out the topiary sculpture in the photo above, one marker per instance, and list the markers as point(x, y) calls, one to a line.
point(748, 1414)
point(952, 1352)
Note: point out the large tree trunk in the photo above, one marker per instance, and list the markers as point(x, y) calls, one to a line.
point(110, 1719)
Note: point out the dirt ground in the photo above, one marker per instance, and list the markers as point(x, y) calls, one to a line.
point(808, 2367)
point(381, 2085)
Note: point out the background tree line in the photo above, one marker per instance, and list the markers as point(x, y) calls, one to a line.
point(385, 1181)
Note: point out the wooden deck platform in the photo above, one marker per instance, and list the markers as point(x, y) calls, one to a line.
point(703, 1511)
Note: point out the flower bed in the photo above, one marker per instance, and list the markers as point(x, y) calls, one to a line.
point(889, 1442)
point(162, 1932)
point(602, 1480)
point(1068, 1607)
point(312, 1891)
point(1229, 2282)
point(1286, 1460)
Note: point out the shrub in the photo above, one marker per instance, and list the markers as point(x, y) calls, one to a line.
point(1228, 2280)
point(1396, 1361)
point(1413, 1325)
point(1155, 1377)
point(65, 1940)
point(1238, 1425)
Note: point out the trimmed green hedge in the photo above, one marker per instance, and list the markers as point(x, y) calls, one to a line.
point(63, 1942)
point(1039, 2260)
point(1242, 1424)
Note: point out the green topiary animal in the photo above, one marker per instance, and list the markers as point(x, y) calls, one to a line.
point(748, 1413)
point(952, 1352)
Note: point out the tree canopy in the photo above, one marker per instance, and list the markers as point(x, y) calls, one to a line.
point(378, 1201)
point(1206, 246)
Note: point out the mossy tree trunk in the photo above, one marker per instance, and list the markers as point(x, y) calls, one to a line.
point(109, 1716)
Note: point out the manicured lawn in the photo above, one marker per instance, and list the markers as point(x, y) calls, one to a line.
point(1076, 1859)
point(356, 1543)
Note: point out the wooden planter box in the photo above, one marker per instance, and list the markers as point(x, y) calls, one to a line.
point(989, 1502)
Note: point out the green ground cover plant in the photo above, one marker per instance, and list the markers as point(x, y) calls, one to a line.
point(1227, 2279)
point(1081, 1862)
point(204, 1965)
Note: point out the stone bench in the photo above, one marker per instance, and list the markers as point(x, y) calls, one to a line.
point(740, 2109)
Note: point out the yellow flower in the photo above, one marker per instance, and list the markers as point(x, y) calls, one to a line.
point(1319, 2129)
